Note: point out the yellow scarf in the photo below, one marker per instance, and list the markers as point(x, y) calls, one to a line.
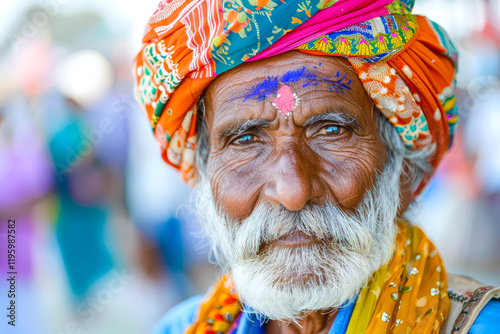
point(407, 295)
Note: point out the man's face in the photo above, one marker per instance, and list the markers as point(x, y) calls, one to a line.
point(300, 194)
point(296, 159)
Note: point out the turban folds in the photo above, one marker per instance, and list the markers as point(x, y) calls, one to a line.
point(407, 63)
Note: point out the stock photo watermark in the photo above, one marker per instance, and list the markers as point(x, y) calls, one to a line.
point(88, 310)
point(11, 272)
point(479, 89)
point(35, 22)
point(91, 138)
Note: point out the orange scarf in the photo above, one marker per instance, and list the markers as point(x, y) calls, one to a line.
point(407, 295)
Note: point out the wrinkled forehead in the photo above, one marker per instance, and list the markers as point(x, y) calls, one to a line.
point(321, 84)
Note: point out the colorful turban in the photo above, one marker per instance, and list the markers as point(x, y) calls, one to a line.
point(406, 62)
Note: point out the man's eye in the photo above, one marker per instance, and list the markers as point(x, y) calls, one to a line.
point(243, 140)
point(330, 130)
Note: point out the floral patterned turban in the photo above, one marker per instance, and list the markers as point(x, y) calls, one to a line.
point(406, 62)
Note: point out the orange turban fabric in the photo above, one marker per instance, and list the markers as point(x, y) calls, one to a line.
point(406, 63)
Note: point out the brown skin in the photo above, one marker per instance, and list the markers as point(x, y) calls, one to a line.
point(287, 162)
point(317, 322)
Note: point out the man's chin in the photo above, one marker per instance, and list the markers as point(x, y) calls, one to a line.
point(287, 281)
point(289, 298)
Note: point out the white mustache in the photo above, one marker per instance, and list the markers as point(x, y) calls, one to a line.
point(326, 223)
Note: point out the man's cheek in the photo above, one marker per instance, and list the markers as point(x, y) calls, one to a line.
point(236, 192)
point(348, 182)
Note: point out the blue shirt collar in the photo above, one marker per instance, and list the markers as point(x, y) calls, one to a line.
point(253, 323)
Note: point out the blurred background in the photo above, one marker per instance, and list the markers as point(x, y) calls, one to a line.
point(105, 242)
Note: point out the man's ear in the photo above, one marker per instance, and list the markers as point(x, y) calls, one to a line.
point(405, 192)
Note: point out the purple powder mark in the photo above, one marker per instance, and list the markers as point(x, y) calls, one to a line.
point(296, 75)
point(338, 85)
point(264, 89)
point(270, 85)
point(314, 82)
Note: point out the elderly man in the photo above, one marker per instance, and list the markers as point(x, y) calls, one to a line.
point(308, 128)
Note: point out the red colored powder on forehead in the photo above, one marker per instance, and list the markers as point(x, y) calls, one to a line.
point(286, 100)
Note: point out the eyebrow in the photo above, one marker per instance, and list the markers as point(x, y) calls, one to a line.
point(239, 127)
point(337, 117)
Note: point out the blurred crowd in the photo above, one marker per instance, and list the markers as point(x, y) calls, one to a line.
point(106, 240)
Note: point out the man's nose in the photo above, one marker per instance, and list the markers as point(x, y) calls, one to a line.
point(293, 180)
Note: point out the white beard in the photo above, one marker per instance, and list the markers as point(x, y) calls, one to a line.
point(284, 283)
